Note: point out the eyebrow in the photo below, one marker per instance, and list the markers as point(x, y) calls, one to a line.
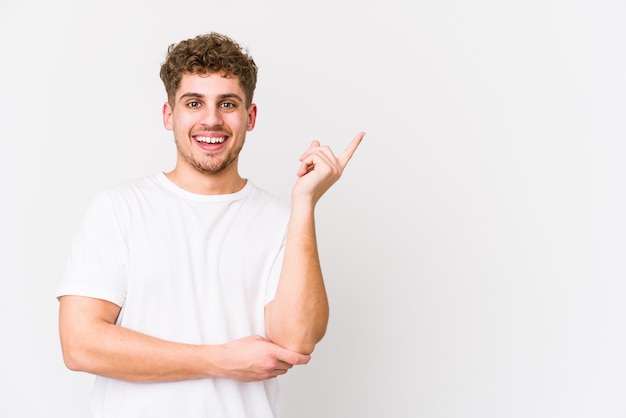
point(219, 97)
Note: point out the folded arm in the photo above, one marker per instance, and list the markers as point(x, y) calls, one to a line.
point(91, 342)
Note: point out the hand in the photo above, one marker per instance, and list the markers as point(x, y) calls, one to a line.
point(320, 169)
point(255, 358)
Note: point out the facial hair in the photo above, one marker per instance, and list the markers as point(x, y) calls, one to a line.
point(210, 164)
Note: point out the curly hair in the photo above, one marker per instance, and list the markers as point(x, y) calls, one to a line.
point(209, 53)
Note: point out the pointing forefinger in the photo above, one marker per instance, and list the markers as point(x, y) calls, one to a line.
point(345, 156)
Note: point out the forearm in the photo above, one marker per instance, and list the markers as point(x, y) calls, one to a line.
point(297, 317)
point(96, 346)
point(126, 355)
point(92, 343)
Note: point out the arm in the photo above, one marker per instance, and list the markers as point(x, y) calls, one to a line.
point(91, 342)
point(297, 317)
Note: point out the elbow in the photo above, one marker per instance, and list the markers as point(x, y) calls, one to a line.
point(299, 333)
point(75, 356)
point(73, 360)
point(72, 364)
point(305, 346)
point(302, 347)
point(303, 343)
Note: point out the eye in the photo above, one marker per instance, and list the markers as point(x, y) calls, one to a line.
point(228, 105)
point(193, 105)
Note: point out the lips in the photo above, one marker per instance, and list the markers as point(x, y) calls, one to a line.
point(210, 139)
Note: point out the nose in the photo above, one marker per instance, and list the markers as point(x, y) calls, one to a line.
point(211, 116)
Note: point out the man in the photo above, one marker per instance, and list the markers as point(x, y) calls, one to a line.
point(187, 292)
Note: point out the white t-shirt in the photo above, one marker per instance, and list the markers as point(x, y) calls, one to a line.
point(183, 267)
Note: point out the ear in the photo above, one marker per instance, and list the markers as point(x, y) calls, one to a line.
point(167, 116)
point(251, 117)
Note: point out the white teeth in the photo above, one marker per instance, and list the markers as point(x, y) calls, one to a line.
point(209, 140)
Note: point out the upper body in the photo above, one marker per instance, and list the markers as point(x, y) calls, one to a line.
point(219, 312)
point(186, 268)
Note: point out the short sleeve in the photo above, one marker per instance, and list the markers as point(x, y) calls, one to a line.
point(97, 263)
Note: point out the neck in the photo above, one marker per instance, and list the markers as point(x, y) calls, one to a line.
point(208, 184)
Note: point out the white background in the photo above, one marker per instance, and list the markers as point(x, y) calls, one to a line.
point(474, 250)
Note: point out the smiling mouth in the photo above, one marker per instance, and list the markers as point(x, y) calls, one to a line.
point(211, 140)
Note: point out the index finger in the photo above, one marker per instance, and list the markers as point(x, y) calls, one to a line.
point(349, 151)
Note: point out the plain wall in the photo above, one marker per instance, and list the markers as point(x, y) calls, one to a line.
point(474, 250)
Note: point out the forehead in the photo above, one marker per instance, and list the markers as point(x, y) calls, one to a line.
point(209, 85)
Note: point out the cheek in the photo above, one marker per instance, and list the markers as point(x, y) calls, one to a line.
point(181, 123)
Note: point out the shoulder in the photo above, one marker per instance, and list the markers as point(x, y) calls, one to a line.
point(128, 189)
point(267, 199)
point(120, 199)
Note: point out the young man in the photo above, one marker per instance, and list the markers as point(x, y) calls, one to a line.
point(186, 292)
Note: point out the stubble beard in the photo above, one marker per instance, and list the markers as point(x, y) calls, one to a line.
point(210, 164)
